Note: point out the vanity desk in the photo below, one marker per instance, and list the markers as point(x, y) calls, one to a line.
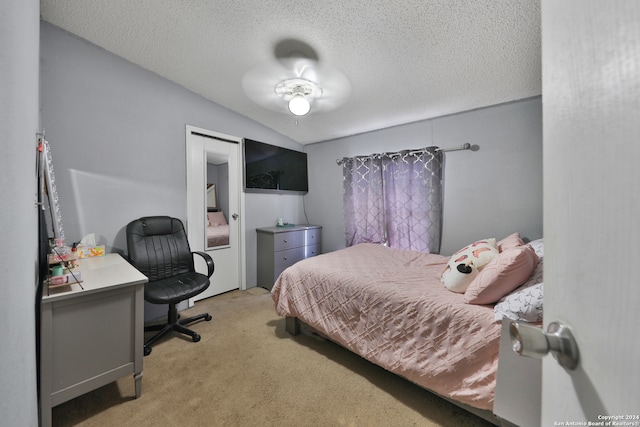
point(92, 332)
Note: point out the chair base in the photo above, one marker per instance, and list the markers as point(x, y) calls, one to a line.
point(173, 324)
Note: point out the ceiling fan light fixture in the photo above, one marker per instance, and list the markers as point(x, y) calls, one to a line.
point(299, 105)
point(296, 86)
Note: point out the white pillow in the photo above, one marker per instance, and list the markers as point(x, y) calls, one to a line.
point(538, 246)
point(524, 304)
point(476, 256)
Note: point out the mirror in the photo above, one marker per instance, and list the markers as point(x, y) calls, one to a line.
point(217, 201)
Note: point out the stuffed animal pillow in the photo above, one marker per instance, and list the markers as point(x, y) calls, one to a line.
point(464, 265)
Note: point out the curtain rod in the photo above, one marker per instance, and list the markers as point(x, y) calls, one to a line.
point(465, 146)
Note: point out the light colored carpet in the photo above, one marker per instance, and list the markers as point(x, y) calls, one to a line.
point(247, 371)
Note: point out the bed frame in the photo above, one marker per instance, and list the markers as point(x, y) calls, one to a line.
point(518, 385)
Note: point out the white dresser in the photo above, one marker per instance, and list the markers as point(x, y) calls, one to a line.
point(281, 247)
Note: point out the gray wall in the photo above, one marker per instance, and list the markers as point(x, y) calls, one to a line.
point(491, 192)
point(19, 31)
point(117, 136)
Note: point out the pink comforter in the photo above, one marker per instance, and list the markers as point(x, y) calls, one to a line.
point(217, 235)
point(389, 307)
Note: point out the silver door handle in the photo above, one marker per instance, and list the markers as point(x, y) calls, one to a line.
point(531, 341)
point(234, 216)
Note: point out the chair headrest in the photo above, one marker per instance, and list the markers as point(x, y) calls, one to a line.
point(155, 225)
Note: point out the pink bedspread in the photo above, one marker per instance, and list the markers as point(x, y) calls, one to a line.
point(217, 235)
point(389, 307)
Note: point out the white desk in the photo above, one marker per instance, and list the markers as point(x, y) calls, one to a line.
point(93, 336)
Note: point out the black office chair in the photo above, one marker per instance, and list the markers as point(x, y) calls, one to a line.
point(158, 247)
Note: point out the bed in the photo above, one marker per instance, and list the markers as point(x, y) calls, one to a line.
point(391, 307)
point(217, 229)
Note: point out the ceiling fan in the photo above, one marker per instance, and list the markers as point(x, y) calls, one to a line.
point(296, 85)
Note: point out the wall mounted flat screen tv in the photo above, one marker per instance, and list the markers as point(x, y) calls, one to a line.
point(272, 169)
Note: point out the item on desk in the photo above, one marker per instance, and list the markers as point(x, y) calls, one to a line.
point(91, 251)
point(60, 251)
point(57, 270)
point(88, 240)
point(74, 276)
point(67, 278)
point(58, 280)
point(87, 247)
point(66, 260)
point(280, 222)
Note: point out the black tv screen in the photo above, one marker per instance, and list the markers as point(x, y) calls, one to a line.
point(268, 168)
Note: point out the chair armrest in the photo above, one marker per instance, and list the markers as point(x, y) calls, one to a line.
point(209, 260)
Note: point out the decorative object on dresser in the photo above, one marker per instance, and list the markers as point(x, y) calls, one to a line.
point(281, 247)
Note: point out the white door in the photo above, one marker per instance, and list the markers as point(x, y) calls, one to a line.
point(591, 121)
point(214, 206)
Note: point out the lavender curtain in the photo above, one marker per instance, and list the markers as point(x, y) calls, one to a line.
point(394, 199)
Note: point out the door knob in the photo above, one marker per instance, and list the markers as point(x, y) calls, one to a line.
point(234, 216)
point(531, 341)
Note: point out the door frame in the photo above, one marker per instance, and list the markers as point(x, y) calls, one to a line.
point(199, 175)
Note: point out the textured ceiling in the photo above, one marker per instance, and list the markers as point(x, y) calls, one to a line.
point(407, 60)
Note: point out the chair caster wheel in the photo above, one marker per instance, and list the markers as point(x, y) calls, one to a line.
point(208, 317)
point(147, 350)
point(196, 338)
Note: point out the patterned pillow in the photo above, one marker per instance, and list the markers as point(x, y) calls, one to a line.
point(476, 256)
point(525, 304)
point(502, 275)
point(538, 246)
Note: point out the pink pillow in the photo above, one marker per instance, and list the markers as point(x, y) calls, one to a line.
point(502, 275)
point(511, 241)
point(216, 218)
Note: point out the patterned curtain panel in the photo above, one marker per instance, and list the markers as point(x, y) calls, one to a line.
point(394, 199)
point(363, 200)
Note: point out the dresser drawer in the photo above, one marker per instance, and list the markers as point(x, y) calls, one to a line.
point(288, 240)
point(312, 250)
point(313, 237)
point(294, 239)
point(284, 259)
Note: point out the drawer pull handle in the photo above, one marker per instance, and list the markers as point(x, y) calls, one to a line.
point(286, 241)
point(285, 258)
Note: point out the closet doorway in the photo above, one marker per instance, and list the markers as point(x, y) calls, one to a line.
point(215, 206)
